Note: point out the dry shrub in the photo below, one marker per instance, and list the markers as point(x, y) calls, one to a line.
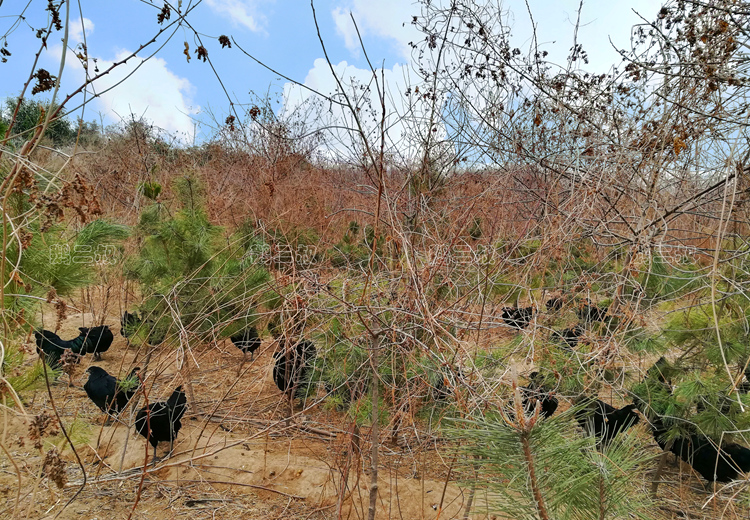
point(514, 203)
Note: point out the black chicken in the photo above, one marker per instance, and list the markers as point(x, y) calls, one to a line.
point(589, 313)
point(570, 336)
point(247, 340)
point(517, 317)
point(107, 393)
point(292, 365)
point(604, 421)
point(554, 304)
point(51, 347)
point(98, 339)
point(160, 420)
point(448, 379)
point(535, 392)
point(704, 455)
point(131, 324)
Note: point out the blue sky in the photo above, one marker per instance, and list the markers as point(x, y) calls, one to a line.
point(176, 94)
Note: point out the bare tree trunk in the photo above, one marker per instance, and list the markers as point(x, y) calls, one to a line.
point(657, 476)
point(353, 458)
point(374, 432)
point(188, 379)
point(467, 511)
point(472, 491)
point(541, 508)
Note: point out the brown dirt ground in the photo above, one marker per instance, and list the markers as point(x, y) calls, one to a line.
point(238, 456)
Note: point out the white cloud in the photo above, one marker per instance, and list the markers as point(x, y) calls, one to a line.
point(240, 12)
point(345, 29)
point(555, 20)
point(153, 91)
point(602, 25)
point(388, 19)
point(405, 116)
point(141, 87)
point(76, 30)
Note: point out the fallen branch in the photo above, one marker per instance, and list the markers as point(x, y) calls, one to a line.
point(255, 486)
